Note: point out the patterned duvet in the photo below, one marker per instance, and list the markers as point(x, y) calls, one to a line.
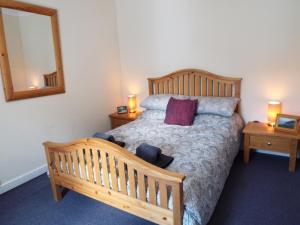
point(204, 152)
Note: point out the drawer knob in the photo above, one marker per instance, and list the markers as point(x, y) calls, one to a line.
point(269, 143)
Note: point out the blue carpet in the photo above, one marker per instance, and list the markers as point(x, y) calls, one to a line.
point(262, 193)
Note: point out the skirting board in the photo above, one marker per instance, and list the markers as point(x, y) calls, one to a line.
point(273, 153)
point(277, 153)
point(22, 179)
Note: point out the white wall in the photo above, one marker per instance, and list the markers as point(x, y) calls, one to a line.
point(257, 40)
point(92, 73)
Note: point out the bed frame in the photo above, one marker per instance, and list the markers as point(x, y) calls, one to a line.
point(195, 82)
point(112, 175)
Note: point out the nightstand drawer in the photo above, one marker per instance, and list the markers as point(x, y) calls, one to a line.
point(267, 142)
point(118, 122)
point(117, 119)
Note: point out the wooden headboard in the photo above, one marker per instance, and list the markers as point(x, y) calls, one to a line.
point(195, 82)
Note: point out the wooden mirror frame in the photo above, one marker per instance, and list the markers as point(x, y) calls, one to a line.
point(9, 92)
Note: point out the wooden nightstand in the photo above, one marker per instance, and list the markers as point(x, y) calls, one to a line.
point(262, 136)
point(121, 119)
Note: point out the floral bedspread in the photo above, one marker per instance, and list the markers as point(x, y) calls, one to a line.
point(204, 152)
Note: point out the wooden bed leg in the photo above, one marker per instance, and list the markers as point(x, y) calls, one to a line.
point(56, 192)
point(178, 204)
point(55, 188)
point(246, 148)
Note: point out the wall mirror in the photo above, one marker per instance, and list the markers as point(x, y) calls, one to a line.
point(30, 58)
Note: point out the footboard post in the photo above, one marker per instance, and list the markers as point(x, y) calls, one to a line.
point(178, 204)
point(55, 188)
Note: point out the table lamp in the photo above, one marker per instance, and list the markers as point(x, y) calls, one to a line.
point(274, 108)
point(132, 103)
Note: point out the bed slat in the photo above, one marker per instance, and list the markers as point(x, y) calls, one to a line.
point(82, 164)
point(237, 89)
point(112, 166)
point(228, 90)
point(204, 86)
point(216, 88)
point(75, 162)
point(70, 165)
point(186, 84)
point(176, 85)
point(209, 87)
point(171, 86)
point(122, 176)
point(166, 87)
point(63, 162)
point(57, 162)
point(192, 85)
point(181, 85)
point(89, 165)
point(177, 193)
point(222, 89)
point(163, 194)
point(104, 169)
point(152, 190)
point(161, 87)
point(156, 84)
point(197, 86)
point(131, 181)
point(96, 166)
point(141, 185)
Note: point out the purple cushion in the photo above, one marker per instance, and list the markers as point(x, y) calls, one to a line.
point(181, 112)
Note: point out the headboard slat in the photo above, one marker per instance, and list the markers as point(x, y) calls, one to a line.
point(195, 82)
point(197, 85)
point(228, 90)
point(222, 89)
point(209, 87)
point(186, 85)
point(192, 85)
point(216, 88)
point(204, 86)
point(181, 83)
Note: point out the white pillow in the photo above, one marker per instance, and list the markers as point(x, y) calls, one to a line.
point(154, 114)
point(223, 106)
point(159, 102)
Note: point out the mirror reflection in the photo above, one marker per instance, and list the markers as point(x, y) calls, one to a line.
point(30, 49)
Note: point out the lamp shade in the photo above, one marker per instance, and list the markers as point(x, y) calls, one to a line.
point(131, 103)
point(274, 108)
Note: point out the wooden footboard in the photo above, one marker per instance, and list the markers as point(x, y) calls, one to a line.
point(113, 175)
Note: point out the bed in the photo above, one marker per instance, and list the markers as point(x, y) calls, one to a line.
point(184, 193)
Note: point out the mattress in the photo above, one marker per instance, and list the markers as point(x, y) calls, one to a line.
point(204, 152)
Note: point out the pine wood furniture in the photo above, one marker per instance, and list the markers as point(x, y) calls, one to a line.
point(262, 136)
point(117, 119)
point(50, 80)
point(195, 82)
point(9, 92)
point(78, 165)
